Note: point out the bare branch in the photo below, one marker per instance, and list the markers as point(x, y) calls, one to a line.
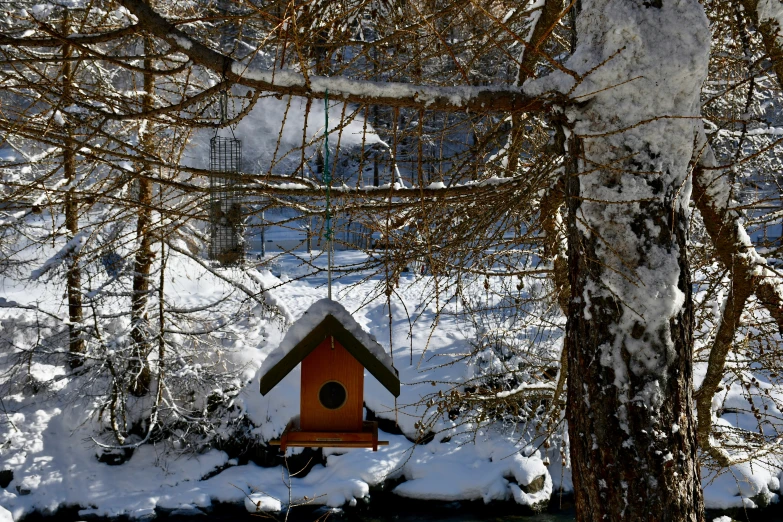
point(478, 99)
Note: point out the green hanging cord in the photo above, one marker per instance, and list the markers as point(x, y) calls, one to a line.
point(327, 180)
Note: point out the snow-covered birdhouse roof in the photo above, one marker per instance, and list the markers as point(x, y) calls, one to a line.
point(322, 319)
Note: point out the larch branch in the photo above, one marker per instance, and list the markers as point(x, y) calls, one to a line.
point(72, 40)
point(451, 99)
point(749, 274)
point(770, 36)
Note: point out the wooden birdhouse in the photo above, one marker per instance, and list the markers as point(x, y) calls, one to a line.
point(334, 352)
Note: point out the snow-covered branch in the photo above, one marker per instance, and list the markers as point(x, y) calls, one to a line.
point(78, 39)
point(69, 250)
point(461, 98)
point(263, 298)
point(749, 273)
point(767, 16)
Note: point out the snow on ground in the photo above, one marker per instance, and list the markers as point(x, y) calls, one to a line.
point(46, 443)
point(745, 484)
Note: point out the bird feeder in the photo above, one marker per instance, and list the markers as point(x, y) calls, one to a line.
point(334, 352)
point(226, 222)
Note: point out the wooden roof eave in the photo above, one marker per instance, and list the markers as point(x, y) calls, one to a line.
point(331, 326)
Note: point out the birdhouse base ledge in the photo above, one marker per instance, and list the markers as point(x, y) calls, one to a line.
point(295, 438)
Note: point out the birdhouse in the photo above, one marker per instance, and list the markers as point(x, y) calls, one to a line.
point(334, 352)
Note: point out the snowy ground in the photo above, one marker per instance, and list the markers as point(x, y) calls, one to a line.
point(46, 443)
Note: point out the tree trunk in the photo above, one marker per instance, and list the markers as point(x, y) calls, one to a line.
point(73, 275)
point(139, 370)
point(630, 317)
point(632, 435)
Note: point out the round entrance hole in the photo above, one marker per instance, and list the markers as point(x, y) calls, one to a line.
point(332, 395)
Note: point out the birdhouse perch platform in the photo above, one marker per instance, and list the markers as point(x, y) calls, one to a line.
point(294, 437)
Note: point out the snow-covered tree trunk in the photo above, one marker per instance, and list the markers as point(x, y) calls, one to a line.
point(140, 375)
point(73, 276)
point(629, 333)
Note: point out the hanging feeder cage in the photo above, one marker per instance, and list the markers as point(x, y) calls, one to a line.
point(226, 223)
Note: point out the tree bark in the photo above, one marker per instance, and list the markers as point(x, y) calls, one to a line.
point(631, 460)
point(76, 346)
point(630, 317)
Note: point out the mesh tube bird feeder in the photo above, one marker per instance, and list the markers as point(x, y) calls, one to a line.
point(226, 223)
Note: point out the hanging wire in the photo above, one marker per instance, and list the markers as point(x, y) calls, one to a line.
point(224, 112)
point(223, 106)
point(223, 100)
point(327, 180)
